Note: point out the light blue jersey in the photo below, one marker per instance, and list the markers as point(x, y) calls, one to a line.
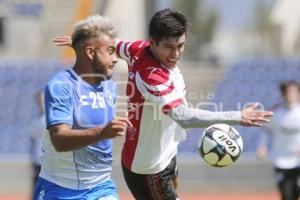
point(71, 100)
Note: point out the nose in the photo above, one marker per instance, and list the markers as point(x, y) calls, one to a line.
point(175, 53)
point(114, 58)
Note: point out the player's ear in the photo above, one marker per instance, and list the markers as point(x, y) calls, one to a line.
point(90, 52)
point(152, 41)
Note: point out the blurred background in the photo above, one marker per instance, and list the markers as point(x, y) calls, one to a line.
point(236, 53)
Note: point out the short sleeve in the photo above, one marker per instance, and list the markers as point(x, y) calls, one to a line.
point(58, 103)
point(155, 85)
point(127, 50)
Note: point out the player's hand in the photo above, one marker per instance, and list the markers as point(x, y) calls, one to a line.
point(62, 41)
point(252, 117)
point(116, 127)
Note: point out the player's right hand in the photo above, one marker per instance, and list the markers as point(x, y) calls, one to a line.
point(116, 127)
point(62, 41)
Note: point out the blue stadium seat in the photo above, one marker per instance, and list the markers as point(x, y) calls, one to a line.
point(19, 83)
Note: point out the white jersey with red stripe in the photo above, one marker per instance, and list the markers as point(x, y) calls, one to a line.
point(153, 90)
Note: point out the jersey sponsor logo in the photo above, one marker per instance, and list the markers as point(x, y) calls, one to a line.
point(131, 133)
point(131, 75)
point(133, 107)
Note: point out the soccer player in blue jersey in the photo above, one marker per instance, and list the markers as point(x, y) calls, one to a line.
point(80, 117)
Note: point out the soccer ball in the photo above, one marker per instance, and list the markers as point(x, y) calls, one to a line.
point(220, 145)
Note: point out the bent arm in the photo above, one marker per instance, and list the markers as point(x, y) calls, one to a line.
point(64, 138)
point(195, 118)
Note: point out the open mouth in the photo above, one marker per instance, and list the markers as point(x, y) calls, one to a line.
point(172, 62)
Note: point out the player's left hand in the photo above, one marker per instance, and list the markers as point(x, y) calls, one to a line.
point(62, 41)
point(116, 127)
point(126, 121)
point(252, 117)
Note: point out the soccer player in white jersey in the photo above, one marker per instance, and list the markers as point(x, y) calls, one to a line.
point(80, 117)
point(285, 146)
point(158, 110)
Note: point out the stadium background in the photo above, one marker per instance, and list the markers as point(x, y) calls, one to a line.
point(227, 64)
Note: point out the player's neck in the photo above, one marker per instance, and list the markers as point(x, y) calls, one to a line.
point(85, 72)
point(153, 54)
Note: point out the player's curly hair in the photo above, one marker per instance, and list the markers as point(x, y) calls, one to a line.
point(93, 27)
point(167, 23)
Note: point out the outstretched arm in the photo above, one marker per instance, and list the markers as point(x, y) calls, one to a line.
point(62, 41)
point(67, 41)
point(125, 50)
point(195, 118)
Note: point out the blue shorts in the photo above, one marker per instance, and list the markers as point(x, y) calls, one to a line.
point(45, 190)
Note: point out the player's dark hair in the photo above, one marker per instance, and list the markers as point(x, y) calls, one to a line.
point(285, 84)
point(167, 23)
